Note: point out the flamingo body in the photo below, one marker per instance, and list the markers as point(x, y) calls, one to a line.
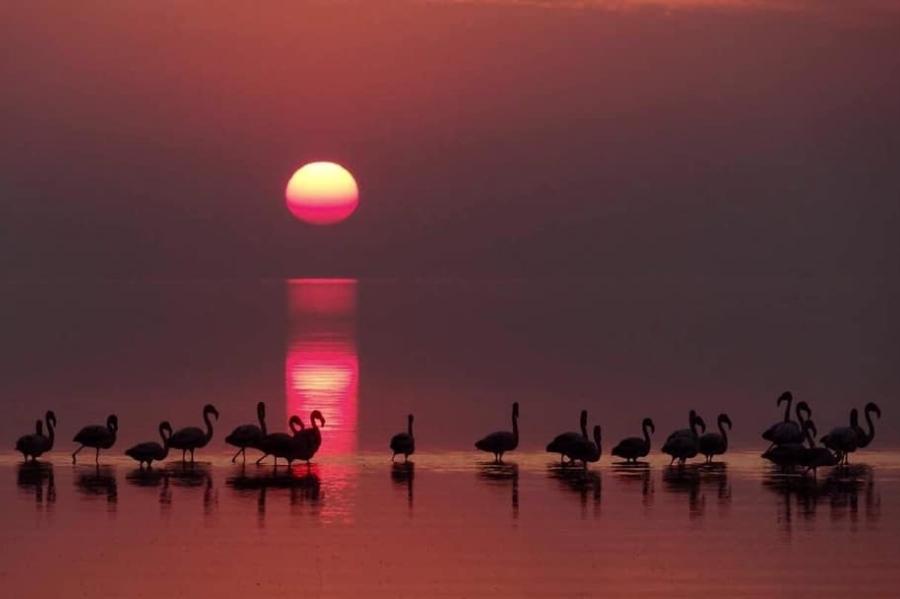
point(501, 442)
point(404, 443)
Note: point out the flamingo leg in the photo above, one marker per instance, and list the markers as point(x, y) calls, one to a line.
point(259, 461)
point(183, 453)
point(97, 456)
point(192, 456)
point(75, 453)
point(392, 458)
point(237, 453)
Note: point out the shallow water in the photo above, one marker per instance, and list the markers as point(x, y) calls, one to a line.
point(447, 525)
point(456, 353)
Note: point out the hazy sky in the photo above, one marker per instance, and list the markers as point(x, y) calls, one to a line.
point(701, 137)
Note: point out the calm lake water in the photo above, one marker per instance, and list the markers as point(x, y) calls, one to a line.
point(456, 353)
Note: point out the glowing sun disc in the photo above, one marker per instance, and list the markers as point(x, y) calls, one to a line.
point(322, 193)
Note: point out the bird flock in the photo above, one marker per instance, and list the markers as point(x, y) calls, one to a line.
point(792, 442)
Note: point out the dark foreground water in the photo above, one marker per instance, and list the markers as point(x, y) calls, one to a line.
point(456, 353)
point(447, 526)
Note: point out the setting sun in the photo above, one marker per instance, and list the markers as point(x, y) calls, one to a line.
point(322, 193)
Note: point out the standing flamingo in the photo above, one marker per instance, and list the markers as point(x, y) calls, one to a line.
point(685, 443)
point(192, 438)
point(36, 444)
point(563, 441)
point(500, 442)
point(788, 431)
point(404, 443)
point(282, 445)
point(715, 443)
point(308, 441)
point(844, 440)
point(585, 449)
point(97, 436)
point(151, 450)
point(248, 435)
point(632, 448)
point(864, 438)
point(788, 455)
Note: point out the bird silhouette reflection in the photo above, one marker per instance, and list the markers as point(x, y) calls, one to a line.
point(97, 481)
point(303, 484)
point(803, 495)
point(586, 483)
point(192, 476)
point(32, 477)
point(633, 474)
point(502, 474)
point(402, 474)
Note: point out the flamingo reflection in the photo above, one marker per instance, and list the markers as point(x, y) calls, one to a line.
point(500, 474)
point(97, 481)
point(403, 474)
point(32, 476)
point(840, 491)
point(584, 482)
point(634, 473)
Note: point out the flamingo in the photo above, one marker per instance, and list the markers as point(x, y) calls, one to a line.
point(281, 445)
point(715, 443)
point(248, 435)
point(788, 431)
point(192, 438)
point(863, 438)
point(586, 450)
point(788, 455)
point(404, 443)
point(844, 440)
point(308, 441)
point(563, 441)
point(151, 450)
point(97, 436)
point(685, 443)
point(632, 448)
point(815, 457)
point(500, 442)
point(36, 444)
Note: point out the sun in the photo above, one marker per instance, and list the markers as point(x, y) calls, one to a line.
point(322, 193)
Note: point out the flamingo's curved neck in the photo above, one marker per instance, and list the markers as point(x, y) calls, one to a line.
point(165, 438)
point(787, 409)
point(409, 424)
point(646, 428)
point(51, 435)
point(261, 415)
point(724, 435)
point(515, 423)
point(694, 425)
point(810, 439)
point(209, 427)
point(871, 424)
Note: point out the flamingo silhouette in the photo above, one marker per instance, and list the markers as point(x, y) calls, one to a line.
point(248, 435)
point(632, 448)
point(715, 443)
point(404, 443)
point(685, 443)
point(282, 445)
point(586, 450)
point(788, 431)
point(37, 444)
point(563, 441)
point(151, 450)
point(97, 436)
point(192, 438)
point(501, 442)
